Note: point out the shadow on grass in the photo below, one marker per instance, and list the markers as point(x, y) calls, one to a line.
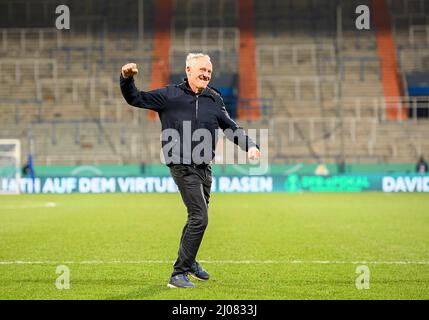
point(78, 283)
point(144, 293)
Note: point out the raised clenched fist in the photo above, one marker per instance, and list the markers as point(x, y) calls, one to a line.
point(254, 153)
point(129, 70)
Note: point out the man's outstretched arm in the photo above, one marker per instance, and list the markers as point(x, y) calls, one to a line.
point(153, 100)
point(237, 135)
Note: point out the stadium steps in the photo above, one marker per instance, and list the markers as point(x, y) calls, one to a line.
point(247, 86)
point(387, 53)
point(161, 48)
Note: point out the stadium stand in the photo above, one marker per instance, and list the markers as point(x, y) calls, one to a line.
point(322, 97)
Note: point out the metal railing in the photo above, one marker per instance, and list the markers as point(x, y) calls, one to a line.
point(203, 14)
point(399, 20)
point(37, 35)
point(413, 33)
point(86, 52)
point(59, 140)
point(88, 85)
point(308, 127)
point(74, 159)
point(116, 110)
point(247, 108)
point(297, 83)
point(295, 54)
point(372, 107)
point(113, 65)
point(362, 63)
point(412, 57)
point(366, 137)
point(18, 108)
point(207, 39)
point(407, 7)
point(377, 107)
point(35, 63)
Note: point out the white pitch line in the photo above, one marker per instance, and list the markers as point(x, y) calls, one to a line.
point(216, 262)
point(30, 206)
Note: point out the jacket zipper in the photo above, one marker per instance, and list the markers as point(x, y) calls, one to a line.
point(196, 110)
point(196, 122)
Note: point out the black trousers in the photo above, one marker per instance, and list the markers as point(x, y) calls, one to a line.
point(194, 183)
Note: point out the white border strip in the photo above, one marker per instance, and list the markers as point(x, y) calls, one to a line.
point(30, 206)
point(99, 262)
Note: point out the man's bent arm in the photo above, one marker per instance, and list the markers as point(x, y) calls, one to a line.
point(153, 100)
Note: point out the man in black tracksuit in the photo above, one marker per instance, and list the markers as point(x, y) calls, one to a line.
point(183, 109)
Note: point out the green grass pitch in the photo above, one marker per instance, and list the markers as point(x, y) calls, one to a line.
point(257, 246)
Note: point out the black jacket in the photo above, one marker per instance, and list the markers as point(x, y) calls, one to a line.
point(181, 109)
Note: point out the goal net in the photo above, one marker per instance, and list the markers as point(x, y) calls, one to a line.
point(10, 168)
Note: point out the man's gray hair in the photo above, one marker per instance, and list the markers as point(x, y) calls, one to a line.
point(193, 56)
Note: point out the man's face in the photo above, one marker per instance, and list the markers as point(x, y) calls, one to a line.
point(199, 73)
